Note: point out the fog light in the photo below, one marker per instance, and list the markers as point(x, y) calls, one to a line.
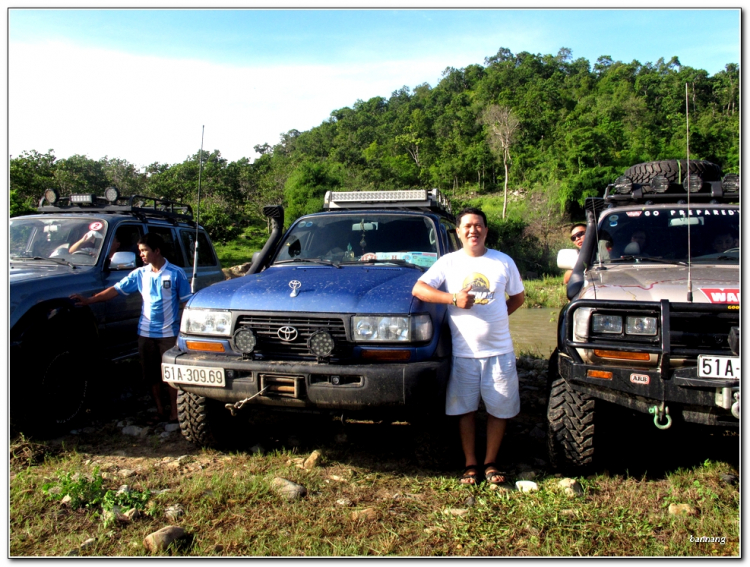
point(731, 183)
point(111, 194)
point(51, 195)
point(692, 183)
point(659, 183)
point(245, 341)
point(321, 343)
point(623, 185)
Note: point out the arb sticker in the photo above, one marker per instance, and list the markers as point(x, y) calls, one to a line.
point(721, 294)
point(642, 379)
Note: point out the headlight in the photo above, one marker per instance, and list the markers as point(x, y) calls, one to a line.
point(581, 323)
point(606, 324)
point(392, 328)
point(206, 322)
point(641, 326)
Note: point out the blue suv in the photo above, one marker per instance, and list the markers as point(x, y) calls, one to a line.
point(324, 320)
point(83, 244)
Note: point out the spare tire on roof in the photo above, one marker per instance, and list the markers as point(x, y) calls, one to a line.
point(674, 170)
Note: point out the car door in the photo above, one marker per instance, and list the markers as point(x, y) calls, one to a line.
point(119, 332)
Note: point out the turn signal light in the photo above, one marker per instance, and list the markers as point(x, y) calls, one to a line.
point(599, 374)
point(206, 347)
point(386, 355)
point(622, 355)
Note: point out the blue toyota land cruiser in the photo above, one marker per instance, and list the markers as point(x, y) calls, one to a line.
point(324, 320)
point(83, 244)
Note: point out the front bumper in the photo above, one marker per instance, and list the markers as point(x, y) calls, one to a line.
point(408, 387)
point(699, 400)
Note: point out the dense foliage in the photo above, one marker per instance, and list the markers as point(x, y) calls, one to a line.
point(578, 127)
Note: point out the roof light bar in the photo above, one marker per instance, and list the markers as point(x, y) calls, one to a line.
point(84, 198)
point(51, 195)
point(381, 199)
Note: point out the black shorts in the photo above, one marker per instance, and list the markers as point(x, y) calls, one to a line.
point(151, 350)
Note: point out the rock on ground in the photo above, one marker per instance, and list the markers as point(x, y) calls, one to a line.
point(160, 540)
point(287, 489)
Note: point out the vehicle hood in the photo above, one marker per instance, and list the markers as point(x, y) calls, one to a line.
point(23, 271)
point(323, 289)
point(711, 284)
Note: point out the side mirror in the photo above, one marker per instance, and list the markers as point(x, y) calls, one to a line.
point(567, 258)
point(122, 261)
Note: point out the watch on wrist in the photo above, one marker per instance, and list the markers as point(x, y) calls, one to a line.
point(454, 301)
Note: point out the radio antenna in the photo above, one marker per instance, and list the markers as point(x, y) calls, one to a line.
point(197, 214)
point(687, 144)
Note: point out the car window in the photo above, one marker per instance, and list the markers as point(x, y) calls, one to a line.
point(128, 236)
point(172, 251)
point(453, 240)
point(361, 237)
point(206, 255)
point(74, 239)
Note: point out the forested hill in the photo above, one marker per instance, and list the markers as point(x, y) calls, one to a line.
point(562, 128)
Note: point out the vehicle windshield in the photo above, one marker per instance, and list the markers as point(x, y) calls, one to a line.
point(661, 235)
point(361, 237)
point(75, 240)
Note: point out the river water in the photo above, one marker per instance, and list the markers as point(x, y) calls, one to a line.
point(534, 331)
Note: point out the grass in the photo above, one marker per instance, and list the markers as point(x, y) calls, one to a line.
point(548, 291)
point(232, 510)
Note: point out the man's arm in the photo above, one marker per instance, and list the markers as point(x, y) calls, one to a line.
point(105, 295)
point(429, 294)
point(515, 301)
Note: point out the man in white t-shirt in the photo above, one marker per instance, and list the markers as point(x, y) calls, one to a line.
point(474, 281)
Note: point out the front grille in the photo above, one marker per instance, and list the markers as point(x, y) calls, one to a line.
point(701, 333)
point(266, 329)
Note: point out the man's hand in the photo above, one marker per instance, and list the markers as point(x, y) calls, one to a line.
point(464, 299)
point(79, 299)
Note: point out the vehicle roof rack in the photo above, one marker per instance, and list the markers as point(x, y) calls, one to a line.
point(712, 192)
point(139, 205)
point(431, 199)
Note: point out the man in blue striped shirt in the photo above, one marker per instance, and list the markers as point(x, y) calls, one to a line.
point(164, 287)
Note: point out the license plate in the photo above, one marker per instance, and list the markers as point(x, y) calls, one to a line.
point(719, 367)
point(199, 375)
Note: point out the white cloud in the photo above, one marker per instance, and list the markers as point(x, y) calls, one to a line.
point(145, 109)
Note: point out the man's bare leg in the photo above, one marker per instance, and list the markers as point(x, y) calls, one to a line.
point(495, 434)
point(467, 430)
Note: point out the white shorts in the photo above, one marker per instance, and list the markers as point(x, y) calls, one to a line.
point(494, 379)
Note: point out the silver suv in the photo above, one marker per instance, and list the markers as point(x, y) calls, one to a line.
point(654, 318)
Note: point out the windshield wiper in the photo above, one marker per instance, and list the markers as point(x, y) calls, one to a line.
point(398, 262)
point(60, 261)
point(310, 261)
point(649, 259)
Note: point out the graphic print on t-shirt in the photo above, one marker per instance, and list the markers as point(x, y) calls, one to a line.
point(480, 288)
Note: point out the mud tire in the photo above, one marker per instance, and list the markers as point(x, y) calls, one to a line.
point(206, 422)
point(672, 168)
point(570, 427)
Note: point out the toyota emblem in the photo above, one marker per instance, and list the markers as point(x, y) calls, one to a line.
point(287, 334)
point(295, 285)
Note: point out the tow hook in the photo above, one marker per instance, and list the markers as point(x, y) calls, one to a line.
point(736, 405)
point(661, 413)
point(234, 408)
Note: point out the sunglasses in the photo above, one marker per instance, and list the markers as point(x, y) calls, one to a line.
point(577, 235)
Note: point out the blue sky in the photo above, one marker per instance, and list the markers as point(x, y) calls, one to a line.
point(139, 84)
